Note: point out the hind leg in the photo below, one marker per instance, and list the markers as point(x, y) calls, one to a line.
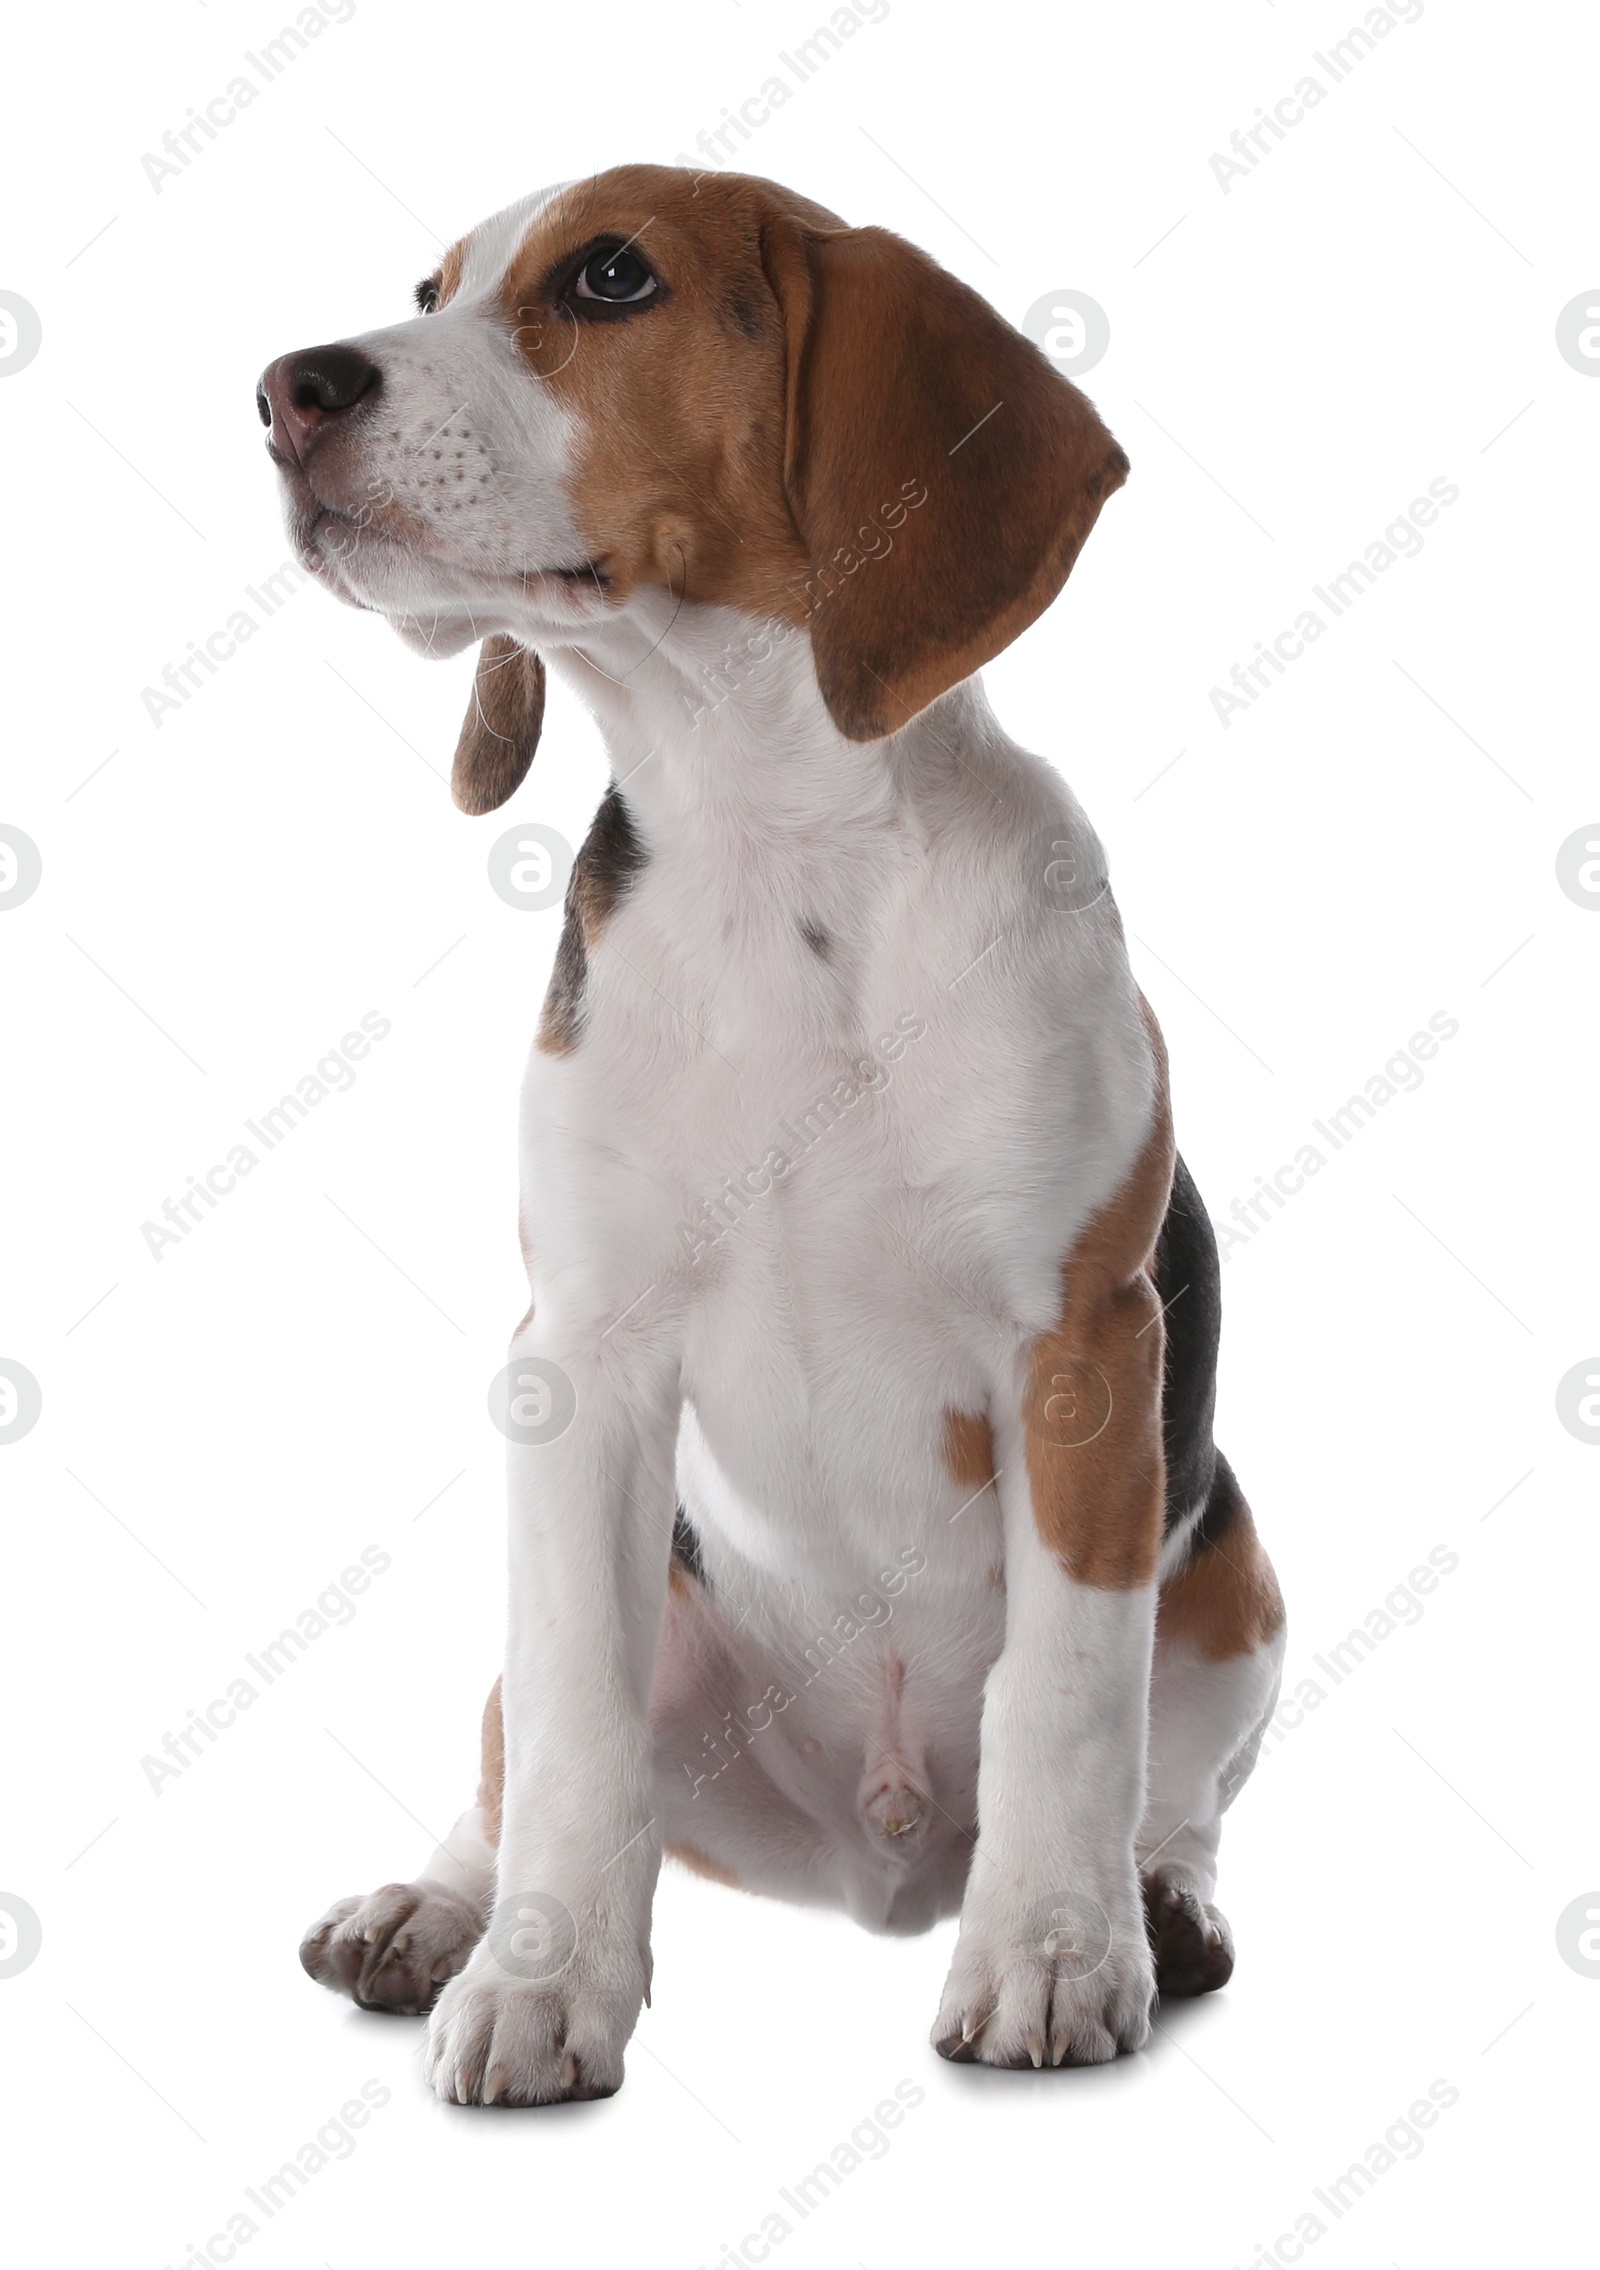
point(394, 1949)
point(1214, 1685)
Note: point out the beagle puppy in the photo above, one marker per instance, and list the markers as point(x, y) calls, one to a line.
point(868, 1543)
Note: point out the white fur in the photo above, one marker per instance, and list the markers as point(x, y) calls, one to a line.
point(787, 1371)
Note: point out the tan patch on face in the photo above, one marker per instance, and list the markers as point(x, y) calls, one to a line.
point(450, 270)
point(1092, 1413)
point(814, 424)
point(969, 1448)
point(681, 403)
point(1224, 1601)
point(690, 1856)
point(492, 1777)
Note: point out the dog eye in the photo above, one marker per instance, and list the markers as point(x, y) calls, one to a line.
point(426, 295)
point(616, 275)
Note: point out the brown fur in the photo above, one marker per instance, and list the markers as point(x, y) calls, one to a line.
point(1099, 1496)
point(754, 435)
point(969, 1448)
point(681, 483)
point(690, 1856)
point(492, 1777)
point(913, 409)
point(447, 277)
point(501, 729)
point(1224, 1601)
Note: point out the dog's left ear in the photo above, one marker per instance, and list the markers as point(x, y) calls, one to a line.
point(501, 730)
point(941, 474)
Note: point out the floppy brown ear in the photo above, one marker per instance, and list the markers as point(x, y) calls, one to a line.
point(942, 476)
point(501, 729)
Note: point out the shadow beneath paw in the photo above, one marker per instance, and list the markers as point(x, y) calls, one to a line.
point(1120, 2072)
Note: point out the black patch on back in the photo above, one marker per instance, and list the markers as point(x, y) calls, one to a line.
point(602, 873)
point(1222, 1506)
point(1188, 1278)
point(562, 1016)
point(611, 856)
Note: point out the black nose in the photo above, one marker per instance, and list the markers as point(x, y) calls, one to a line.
point(299, 392)
point(331, 378)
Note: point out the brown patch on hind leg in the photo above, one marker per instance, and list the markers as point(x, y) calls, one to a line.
point(492, 1778)
point(1190, 1942)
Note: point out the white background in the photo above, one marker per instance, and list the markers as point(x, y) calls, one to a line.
point(1291, 362)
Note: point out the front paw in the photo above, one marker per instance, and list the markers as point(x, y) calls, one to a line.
point(530, 2020)
point(1068, 1983)
point(498, 2040)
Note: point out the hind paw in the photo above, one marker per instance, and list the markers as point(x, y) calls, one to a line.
point(394, 1949)
point(1191, 1942)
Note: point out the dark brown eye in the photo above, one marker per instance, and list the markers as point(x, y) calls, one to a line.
point(616, 275)
point(426, 295)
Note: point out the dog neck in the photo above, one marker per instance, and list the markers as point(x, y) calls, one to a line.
point(715, 729)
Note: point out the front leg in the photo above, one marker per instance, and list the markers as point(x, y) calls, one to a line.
point(1052, 1964)
point(546, 2004)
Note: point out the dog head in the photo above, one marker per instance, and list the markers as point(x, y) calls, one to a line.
point(704, 386)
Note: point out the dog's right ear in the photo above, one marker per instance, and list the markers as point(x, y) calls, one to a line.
point(501, 728)
point(908, 395)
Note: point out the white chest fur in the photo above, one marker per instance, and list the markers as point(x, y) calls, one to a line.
point(850, 1080)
